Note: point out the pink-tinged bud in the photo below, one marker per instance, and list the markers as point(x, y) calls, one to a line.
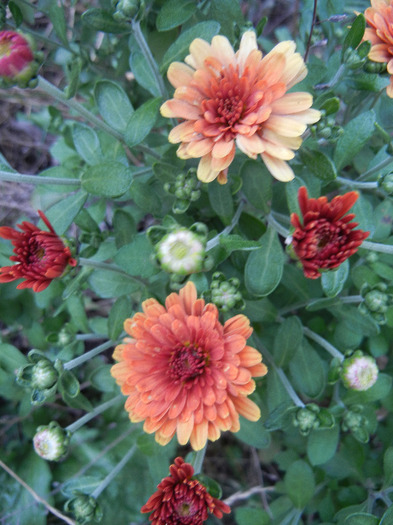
point(359, 372)
point(17, 64)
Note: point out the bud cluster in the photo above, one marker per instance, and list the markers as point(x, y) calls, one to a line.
point(377, 300)
point(326, 128)
point(126, 10)
point(355, 422)
point(224, 293)
point(385, 182)
point(185, 189)
point(311, 417)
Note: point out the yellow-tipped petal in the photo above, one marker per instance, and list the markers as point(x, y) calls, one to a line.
point(278, 168)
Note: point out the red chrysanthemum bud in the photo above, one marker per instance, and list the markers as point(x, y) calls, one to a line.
point(181, 500)
point(326, 238)
point(17, 64)
point(40, 255)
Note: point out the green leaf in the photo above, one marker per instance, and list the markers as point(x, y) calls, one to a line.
point(307, 372)
point(11, 358)
point(388, 466)
point(74, 69)
point(62, 214)
point(171, 16)
point(291, 191)
point(120, 311)
point(322, 444)
point(102, 20)
point(232, 243)
point(264, 267)
point(113, 104)
point(257, 185)
point(83, 484)
point(334, 280)
point(136, 258)
point(261, 310)
point(383, 220)
point(124, 227)
point(86, 143)
point(319, 164)
point(108, 179)
point(300, 483)
point(387, 518)
point(250, 515)
point(142, 70)
point(141, 122)
point(331, 105)
point(355, 34)
point(80, 401)
point(109, 284)
point(362, 518)
point(356, 134)
point(180, 48)
point(57, 17)
point(68, 384)
point(363, 210)
point(221, 201)
point(101, 379)
point(229, 14)
point(253, 433)
point(355, 320)
point(287, 341)
point(16, 13)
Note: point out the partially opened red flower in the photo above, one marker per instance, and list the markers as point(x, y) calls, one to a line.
point(186, 373)
point(326, 237)
point(181, 500)
point(16, 57)
point(380, 33)
point(40, 256)
point(227, 99)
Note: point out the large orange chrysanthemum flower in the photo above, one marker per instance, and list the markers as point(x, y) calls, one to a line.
point(227, 99)
point(380, 33)
point(186, 373)
point(327, 236)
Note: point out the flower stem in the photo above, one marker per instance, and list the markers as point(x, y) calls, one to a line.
point(198, 459)
point(314, 19)
point(277, 226)
point(57, 94)
point(377, 247)
point(216, 240)
point(289, 388)
point(322, 342)
point(144, 47)
point(376, 168)
point(36, 179)
point(85, 357)
point(357, 184)
point(105, 482)
point(76, 425)
point(89, 337)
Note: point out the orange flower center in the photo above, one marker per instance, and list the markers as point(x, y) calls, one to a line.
point(187, 362)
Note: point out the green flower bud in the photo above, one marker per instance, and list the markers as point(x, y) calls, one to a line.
point(359, 372)
point(84, 507)
point(126, 9)
point(356, 423)
point(376, 301)
point(386, 183)
point(374, 67)
point(44, 375)
point(306, 419)
point(51, 442)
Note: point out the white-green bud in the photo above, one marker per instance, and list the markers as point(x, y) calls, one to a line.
point(181, 251)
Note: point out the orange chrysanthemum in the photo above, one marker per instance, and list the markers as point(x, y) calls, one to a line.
point(227, 99)
point(327, 236)
point(182, 500)
point(186, 373)
point(380, 33)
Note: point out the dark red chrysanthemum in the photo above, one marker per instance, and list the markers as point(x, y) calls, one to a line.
point(15, 54)
point(181, 500)
point(40, 255)
point(326, 238)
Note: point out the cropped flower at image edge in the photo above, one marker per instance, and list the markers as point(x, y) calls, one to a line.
point(326, 237)
point(179, 499)
point(184, 372)
point(40, 256)
point(229, 99)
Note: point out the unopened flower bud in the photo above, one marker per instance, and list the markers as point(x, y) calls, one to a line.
point(126, 9)
point(306, 419)
point(51, 442)
point(17, 63)
point(356, 423)
point(44, 375)
point(359, 372)
point(84, 507)
point(181, 251)
point(376, 301)
point(386, 183)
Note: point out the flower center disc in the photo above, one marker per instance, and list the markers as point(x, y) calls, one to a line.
point(186, 362)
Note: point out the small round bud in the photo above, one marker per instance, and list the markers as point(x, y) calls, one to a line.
point(51, 442)
point(376, 301)
point(44, 375)
point(386, 183)
point(84, 507)
point(306, 418)
point(359, 372)
point(17, 63)
point(181, 251)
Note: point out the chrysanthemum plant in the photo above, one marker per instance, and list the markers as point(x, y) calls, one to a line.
point(199, 327)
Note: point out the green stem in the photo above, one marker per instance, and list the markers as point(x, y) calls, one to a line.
point(36, 179)
point(91, 415)
point(277, 226)
point(357, 184)
point(89, 337)
point(349, 299)
point(57, 94)
point(289, 388)
point(85, 357)
point(322, 342)
point(144, 47)
point(197, 462)
point(376, 168)
point(105, 482)
point(216, 240)
point(377, 247)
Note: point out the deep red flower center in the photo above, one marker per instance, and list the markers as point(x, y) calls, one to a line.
point(32, 252)
point(187, 362)
point(327, 236)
